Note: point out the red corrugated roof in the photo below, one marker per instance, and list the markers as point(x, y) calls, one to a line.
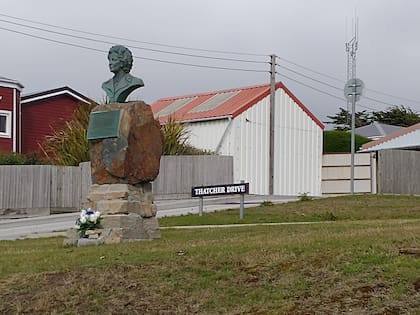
point(217, 104)
point(391, 136)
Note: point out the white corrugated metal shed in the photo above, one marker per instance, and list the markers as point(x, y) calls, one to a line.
point(236, 122)
point(407, 138)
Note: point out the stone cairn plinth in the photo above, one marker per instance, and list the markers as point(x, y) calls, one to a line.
point(122, 170)
point(127, 211)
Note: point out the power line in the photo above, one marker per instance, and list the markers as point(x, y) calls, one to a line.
point(137, 57)
point(183, 54)
point(341, 81)
point(324, 92)
point(334, 87)
point(310, 78)
point(135, 47)
point(137, 41)
point(379, 101)
point(311, 87)
point(314, 71)
point(393, 96)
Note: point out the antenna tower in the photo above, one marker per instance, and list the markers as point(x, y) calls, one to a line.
point(351, 49)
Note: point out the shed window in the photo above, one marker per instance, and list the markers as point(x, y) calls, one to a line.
point(5, 124)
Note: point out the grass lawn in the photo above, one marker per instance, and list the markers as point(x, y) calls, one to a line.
point(347, 264)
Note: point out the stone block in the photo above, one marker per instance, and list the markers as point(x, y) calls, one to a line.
point(72, 236)
point(145, 210)
point(111, 235)
point(108, 192)
point(151, 226)
point(133, 157)
point(126, 221)
point(112, 206)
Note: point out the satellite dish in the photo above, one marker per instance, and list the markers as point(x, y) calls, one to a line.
point(353, 89)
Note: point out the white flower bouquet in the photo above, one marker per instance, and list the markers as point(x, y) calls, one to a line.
point(88, 220)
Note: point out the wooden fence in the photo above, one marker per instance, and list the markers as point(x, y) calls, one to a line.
point(399, 172)
point(44, 189)
point(39, 189)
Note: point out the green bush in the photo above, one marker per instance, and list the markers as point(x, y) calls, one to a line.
point(19, 159)
point(340, 141)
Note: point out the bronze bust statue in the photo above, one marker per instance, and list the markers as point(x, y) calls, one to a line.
point(123, 83)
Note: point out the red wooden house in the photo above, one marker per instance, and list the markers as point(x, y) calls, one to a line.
point(26, 121)
point(47, 111)
point(10, 115)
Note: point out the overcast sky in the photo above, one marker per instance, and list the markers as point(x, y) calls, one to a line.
point(305, 34)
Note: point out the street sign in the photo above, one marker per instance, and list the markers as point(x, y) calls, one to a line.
point(217, 190)
point(353, 89)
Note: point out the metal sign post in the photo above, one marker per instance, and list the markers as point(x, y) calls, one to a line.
point(200, 206)
point(241, 205)
point(353, 91)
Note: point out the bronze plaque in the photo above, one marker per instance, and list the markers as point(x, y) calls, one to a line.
point(104, 125)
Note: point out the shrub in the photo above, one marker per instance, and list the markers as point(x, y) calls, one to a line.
point(340, 141)
point(19, 159)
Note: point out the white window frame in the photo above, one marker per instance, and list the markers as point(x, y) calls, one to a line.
point(8, 115)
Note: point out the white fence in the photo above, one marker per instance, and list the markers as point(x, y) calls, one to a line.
point(336, 173)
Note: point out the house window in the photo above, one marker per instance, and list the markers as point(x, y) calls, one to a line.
point(5, 124)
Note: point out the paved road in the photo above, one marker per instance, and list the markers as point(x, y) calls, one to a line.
point(11, 229)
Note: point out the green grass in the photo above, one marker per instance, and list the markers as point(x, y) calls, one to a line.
point(358, 207)
point(324, 268)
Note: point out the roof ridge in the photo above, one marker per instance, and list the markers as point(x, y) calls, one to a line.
point(392, 136)
point(214, 92)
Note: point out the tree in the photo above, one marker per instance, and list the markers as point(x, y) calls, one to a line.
point(398, 116)
point(342, 120)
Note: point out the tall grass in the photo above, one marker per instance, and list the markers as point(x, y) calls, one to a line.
point(69, 146)
point(176, 139)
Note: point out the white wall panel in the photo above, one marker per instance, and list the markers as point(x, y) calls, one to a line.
point(341, 159)
point(344, 172)
point(298, 150)
point(335, 187)
point(298, 146)
point(207, 134)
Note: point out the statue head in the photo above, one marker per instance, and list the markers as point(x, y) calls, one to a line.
point(120, 57)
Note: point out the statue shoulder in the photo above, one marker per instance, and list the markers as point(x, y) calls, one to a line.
point(107, 84)
point(132, 80)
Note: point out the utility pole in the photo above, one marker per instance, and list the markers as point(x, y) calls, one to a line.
point(272, 123)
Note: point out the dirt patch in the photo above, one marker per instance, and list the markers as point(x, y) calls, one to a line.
point(352, 297)
point(116, 290)
point(124, 289)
